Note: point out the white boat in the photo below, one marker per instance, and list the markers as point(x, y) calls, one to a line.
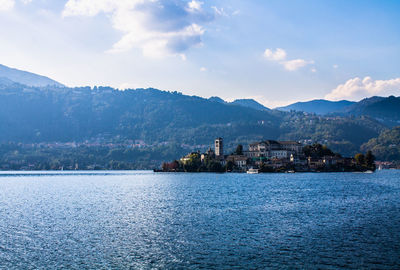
point(369, 171)
point(252, 171)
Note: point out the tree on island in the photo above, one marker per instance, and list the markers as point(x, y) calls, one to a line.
point(317, 151)
point(370, 160)
point(230, 166)
point(214, 166)
point(193, 163)
point(360, 159)
point(365, 162)
point(172, 166)
point(239, 150)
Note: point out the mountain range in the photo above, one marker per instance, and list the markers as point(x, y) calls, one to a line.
point(249, 103)
point(384, 109)
point(8, 75)
point(51, 112)
point(318, 106)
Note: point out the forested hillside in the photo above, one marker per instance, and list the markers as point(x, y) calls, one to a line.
point(386, 146)
point(386, 110)
point(29, 114)
point(106, 115)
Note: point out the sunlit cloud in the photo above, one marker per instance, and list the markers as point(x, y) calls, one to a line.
point(6, 5)
point(158, 28)
point(279, 55)
point(293, 65)
point(357, 88)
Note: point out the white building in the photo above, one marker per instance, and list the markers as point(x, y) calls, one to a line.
point(270, 149)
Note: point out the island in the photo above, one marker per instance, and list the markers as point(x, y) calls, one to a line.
point(271, 156)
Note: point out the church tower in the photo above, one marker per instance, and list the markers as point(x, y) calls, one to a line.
point(219, 147)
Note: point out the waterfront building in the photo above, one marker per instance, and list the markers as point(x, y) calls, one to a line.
point(240, 161)
point(270, 149)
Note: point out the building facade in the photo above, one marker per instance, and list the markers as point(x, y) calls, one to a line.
point(271, 149)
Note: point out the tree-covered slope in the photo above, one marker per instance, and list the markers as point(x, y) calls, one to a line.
point(66, 114)
point(385, 109)
point(386, 146)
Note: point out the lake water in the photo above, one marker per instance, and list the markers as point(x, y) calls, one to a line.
point(123, 220)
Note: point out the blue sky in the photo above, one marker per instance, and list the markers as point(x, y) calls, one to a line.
point(276, 52)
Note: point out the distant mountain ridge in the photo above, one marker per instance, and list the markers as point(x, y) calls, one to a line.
point(385, 109)
point(318, 106)
point(245, 102)
point(217, 99)
point(26, 78)
point(250, 103)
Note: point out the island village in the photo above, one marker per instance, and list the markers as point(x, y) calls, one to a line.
point(270, 156)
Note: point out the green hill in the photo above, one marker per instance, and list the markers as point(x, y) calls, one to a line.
point(385, 147)
point(384, 109)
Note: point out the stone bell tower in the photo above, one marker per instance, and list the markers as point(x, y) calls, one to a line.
point(219, 147)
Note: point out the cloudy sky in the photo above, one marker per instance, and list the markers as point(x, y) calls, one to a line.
point(276, 52)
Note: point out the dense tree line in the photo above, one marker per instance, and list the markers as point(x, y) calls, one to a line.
point(17, 157)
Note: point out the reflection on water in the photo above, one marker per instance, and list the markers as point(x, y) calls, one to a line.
point(83, 220)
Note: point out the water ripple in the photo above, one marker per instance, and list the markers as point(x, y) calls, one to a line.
point(120, 220)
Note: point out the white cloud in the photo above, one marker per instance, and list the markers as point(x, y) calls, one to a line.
point(335, 66)
point(293, 65)
point(358, 88)
point(159, 28)
point(219, 11)
point(279, 55)
point(203, 69)
point(6, 5)
point(236, 12)
point(313, 70)
point(194, 6)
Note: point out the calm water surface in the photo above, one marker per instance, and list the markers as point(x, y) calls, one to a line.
point(123, 220)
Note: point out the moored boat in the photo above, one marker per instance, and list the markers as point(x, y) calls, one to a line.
point(252, 171)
